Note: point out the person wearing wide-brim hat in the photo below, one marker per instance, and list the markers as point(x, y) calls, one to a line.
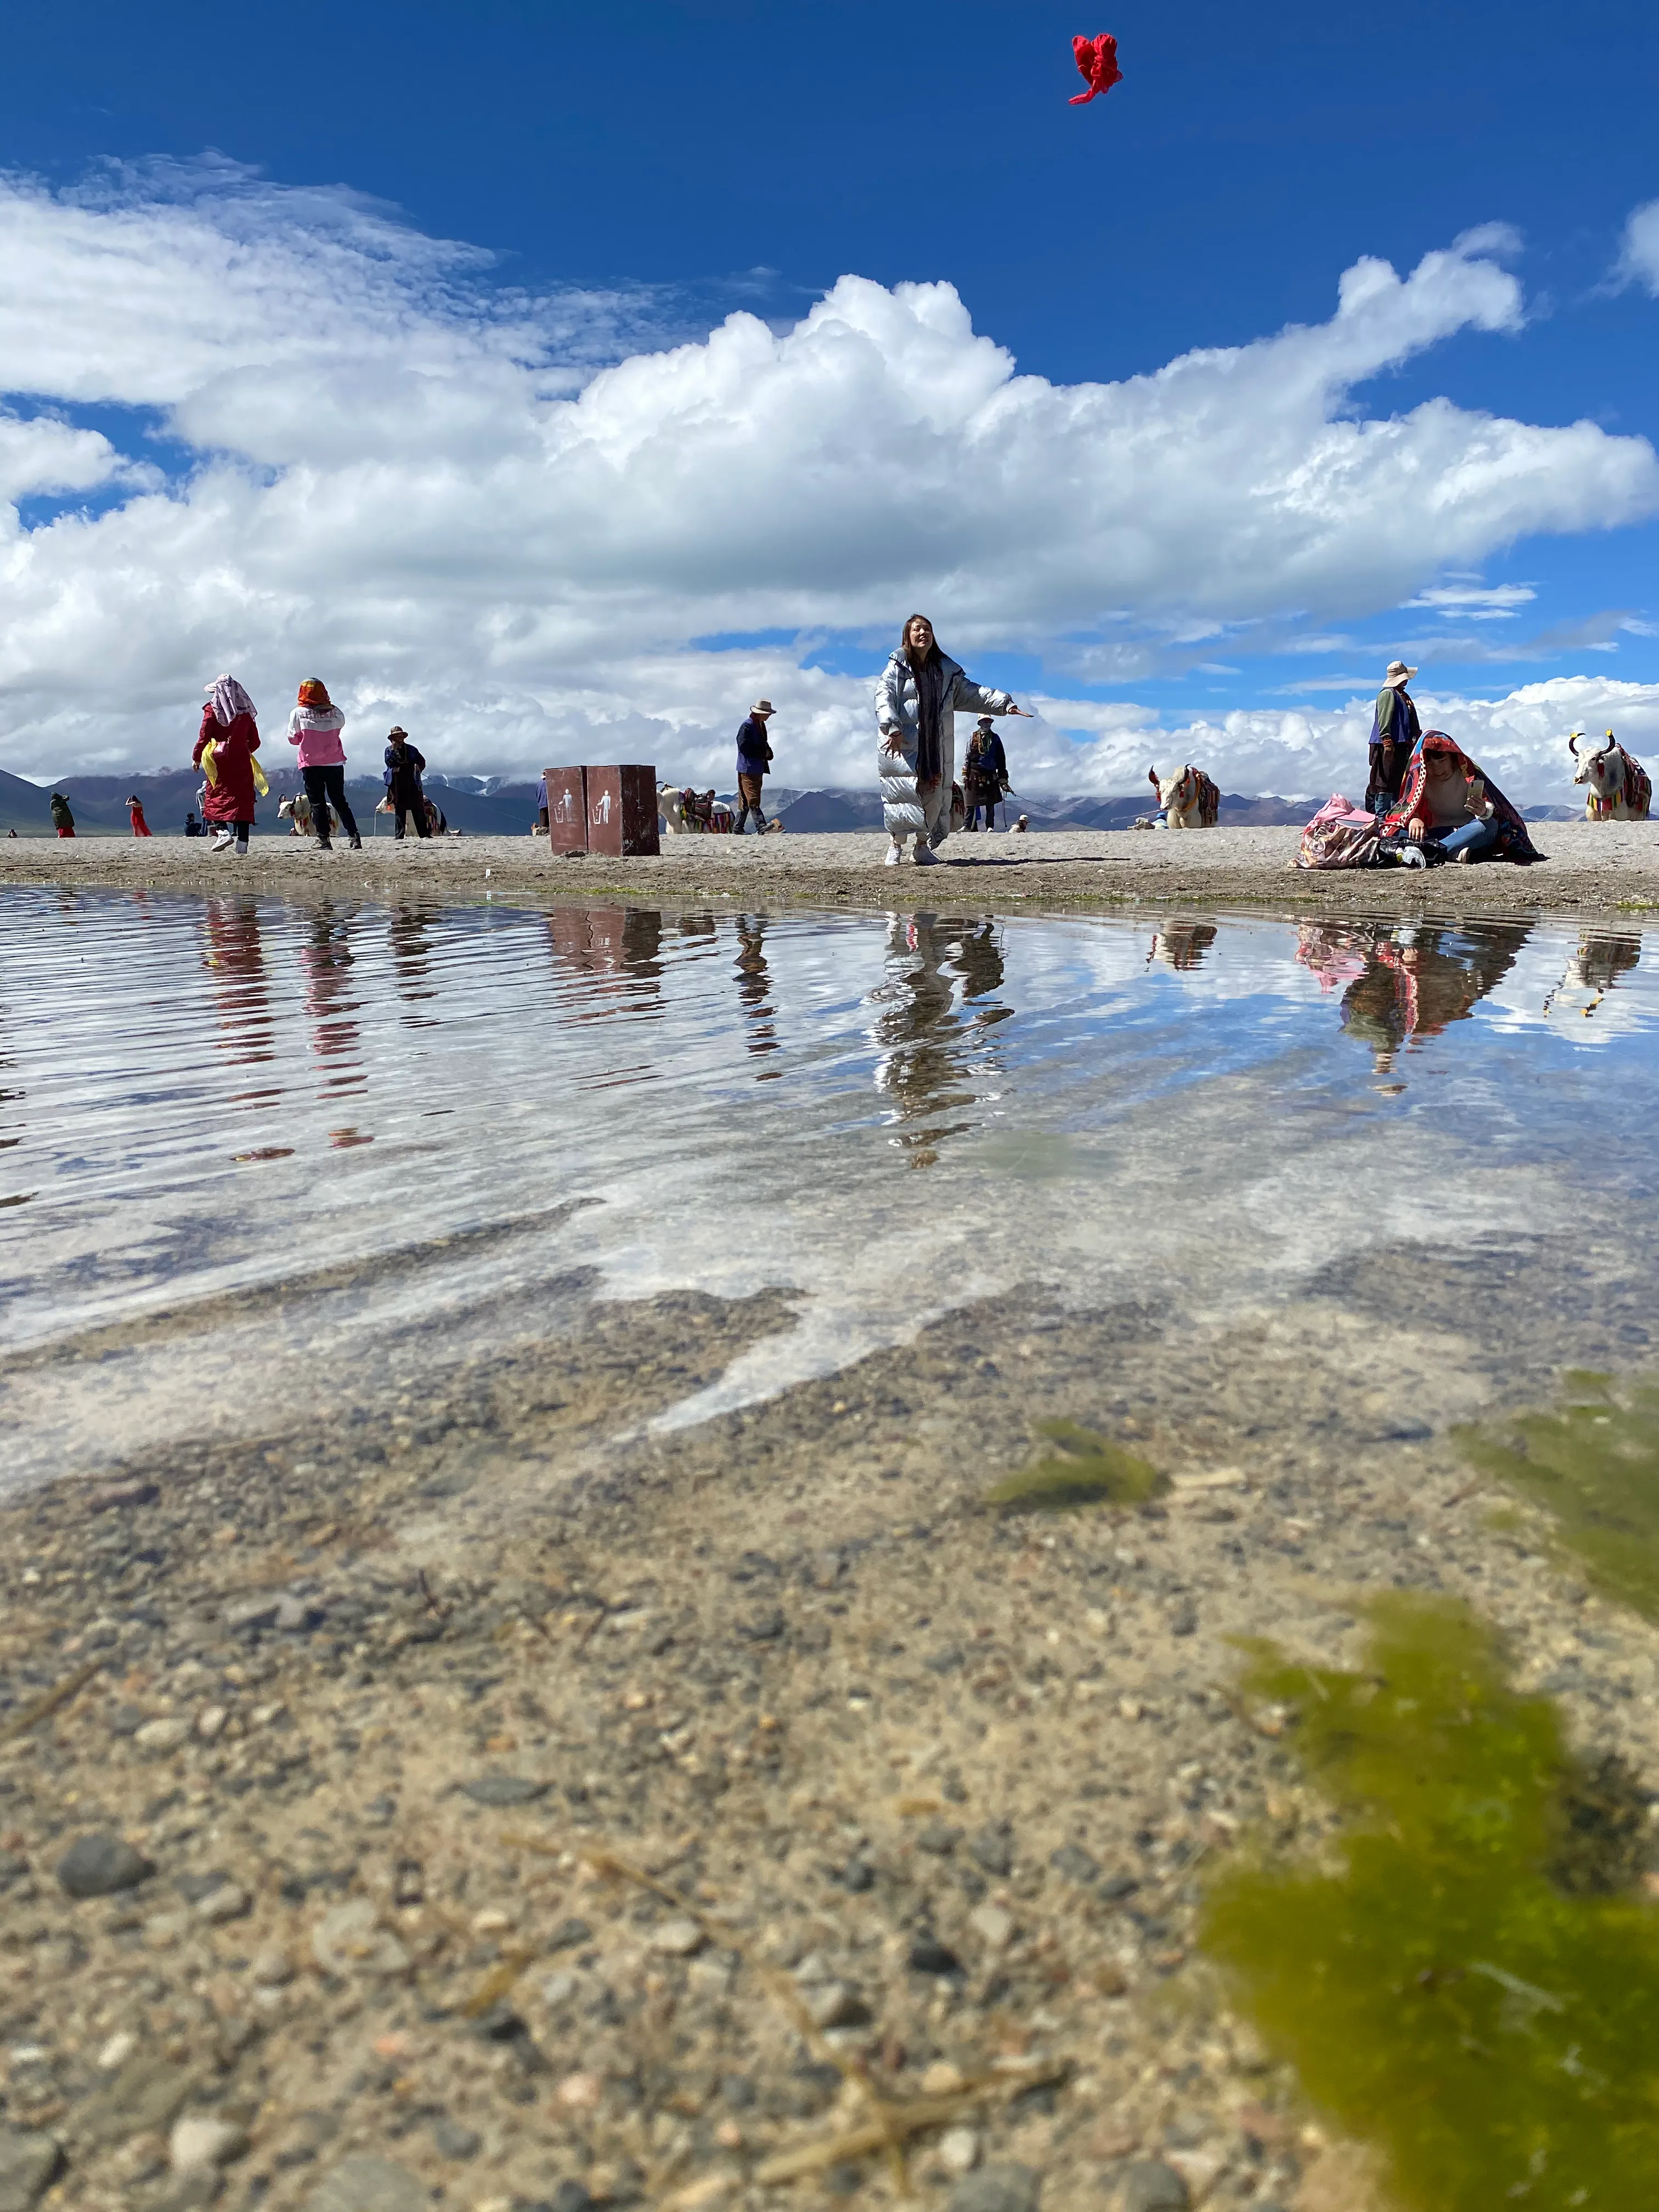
point(984, 775)
point(404, 767)
point(753, 758)
point(1395, 733)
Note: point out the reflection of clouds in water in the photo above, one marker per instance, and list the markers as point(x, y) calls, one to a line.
point(1113, 1109)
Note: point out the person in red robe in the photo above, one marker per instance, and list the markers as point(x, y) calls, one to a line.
point(136, 809)
point(225, 750)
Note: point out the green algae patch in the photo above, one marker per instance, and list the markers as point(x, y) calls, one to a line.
point(1455, 1972)
point(1082, 1469)
point(1594, 1465)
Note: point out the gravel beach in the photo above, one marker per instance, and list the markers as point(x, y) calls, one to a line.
point(1591, 868)
point(461, 1804)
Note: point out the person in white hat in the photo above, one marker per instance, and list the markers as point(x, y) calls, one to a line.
point(753, 758)
point(1394, 734)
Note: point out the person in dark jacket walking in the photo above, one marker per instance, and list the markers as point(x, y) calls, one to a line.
point(1395, 733)
point(61, 820)
point(404, 768)
point(753, 758)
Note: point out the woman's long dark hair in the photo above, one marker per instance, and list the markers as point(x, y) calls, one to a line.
point(932, 653)
point(929, 672)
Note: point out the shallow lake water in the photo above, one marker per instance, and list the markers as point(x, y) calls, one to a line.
point(246, 1147)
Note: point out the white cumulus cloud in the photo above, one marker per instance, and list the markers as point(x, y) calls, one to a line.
point(1638, 261)
point(512, 522)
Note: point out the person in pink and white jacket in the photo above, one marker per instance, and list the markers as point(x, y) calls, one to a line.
point(315, 726)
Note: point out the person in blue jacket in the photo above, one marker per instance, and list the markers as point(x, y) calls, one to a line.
point(753, 758)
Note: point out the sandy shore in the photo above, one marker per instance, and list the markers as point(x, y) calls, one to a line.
point(1591, 868)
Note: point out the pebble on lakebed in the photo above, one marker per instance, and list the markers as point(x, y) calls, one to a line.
point(513, 1861)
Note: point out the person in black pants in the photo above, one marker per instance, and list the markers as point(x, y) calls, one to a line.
point(314, 726)
point(404, 767)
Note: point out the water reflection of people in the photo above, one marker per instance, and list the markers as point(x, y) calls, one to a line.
point(234, 958)
point(1182, 944)
point(1409, 980)
point(1592, 971)
point(755, 989)
point(928, 1065)
point(411, 954)
point(326, 960)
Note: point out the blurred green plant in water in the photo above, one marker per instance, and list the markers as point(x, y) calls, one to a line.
point(1084, 1469)
point(1459, 1975)
point(1594, 1464)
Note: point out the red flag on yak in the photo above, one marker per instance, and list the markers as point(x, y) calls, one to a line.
point(1097, 61)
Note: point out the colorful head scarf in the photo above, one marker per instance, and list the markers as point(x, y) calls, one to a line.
point(1513, 841)
point(229, 700)
point(313, 692)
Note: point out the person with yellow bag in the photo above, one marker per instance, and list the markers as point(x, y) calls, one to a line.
point(224, 752)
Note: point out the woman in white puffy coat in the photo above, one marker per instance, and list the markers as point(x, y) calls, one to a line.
point(919, 695)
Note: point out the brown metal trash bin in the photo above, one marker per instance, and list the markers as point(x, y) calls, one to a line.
point(566, 810)
point(621, 810)
point(602, 809)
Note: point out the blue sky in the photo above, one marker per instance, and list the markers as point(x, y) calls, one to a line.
point(685, 161)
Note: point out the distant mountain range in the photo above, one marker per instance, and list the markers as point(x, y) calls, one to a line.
point(493, 807)
point(481, 806)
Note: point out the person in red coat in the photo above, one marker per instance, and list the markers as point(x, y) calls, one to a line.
point(230, 729)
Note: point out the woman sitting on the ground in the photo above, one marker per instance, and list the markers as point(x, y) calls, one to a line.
point(1447, 810)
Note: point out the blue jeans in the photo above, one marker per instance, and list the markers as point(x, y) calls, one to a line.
point(1476, 838)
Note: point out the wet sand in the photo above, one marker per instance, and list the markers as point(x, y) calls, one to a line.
point(1590, 868)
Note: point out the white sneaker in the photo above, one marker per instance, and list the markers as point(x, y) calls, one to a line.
point(926, 856)
point(895, 854)
point(223, 841)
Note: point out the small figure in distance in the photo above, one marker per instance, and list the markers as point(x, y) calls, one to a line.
point(192, 827)
point(135, 810)
point(753, 758)
point(314, 725)
point(1394, 734)
point(61, 820)
point(985, 774)
point(404, 768)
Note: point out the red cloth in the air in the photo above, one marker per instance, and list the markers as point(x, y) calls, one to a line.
point(1097, 61)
